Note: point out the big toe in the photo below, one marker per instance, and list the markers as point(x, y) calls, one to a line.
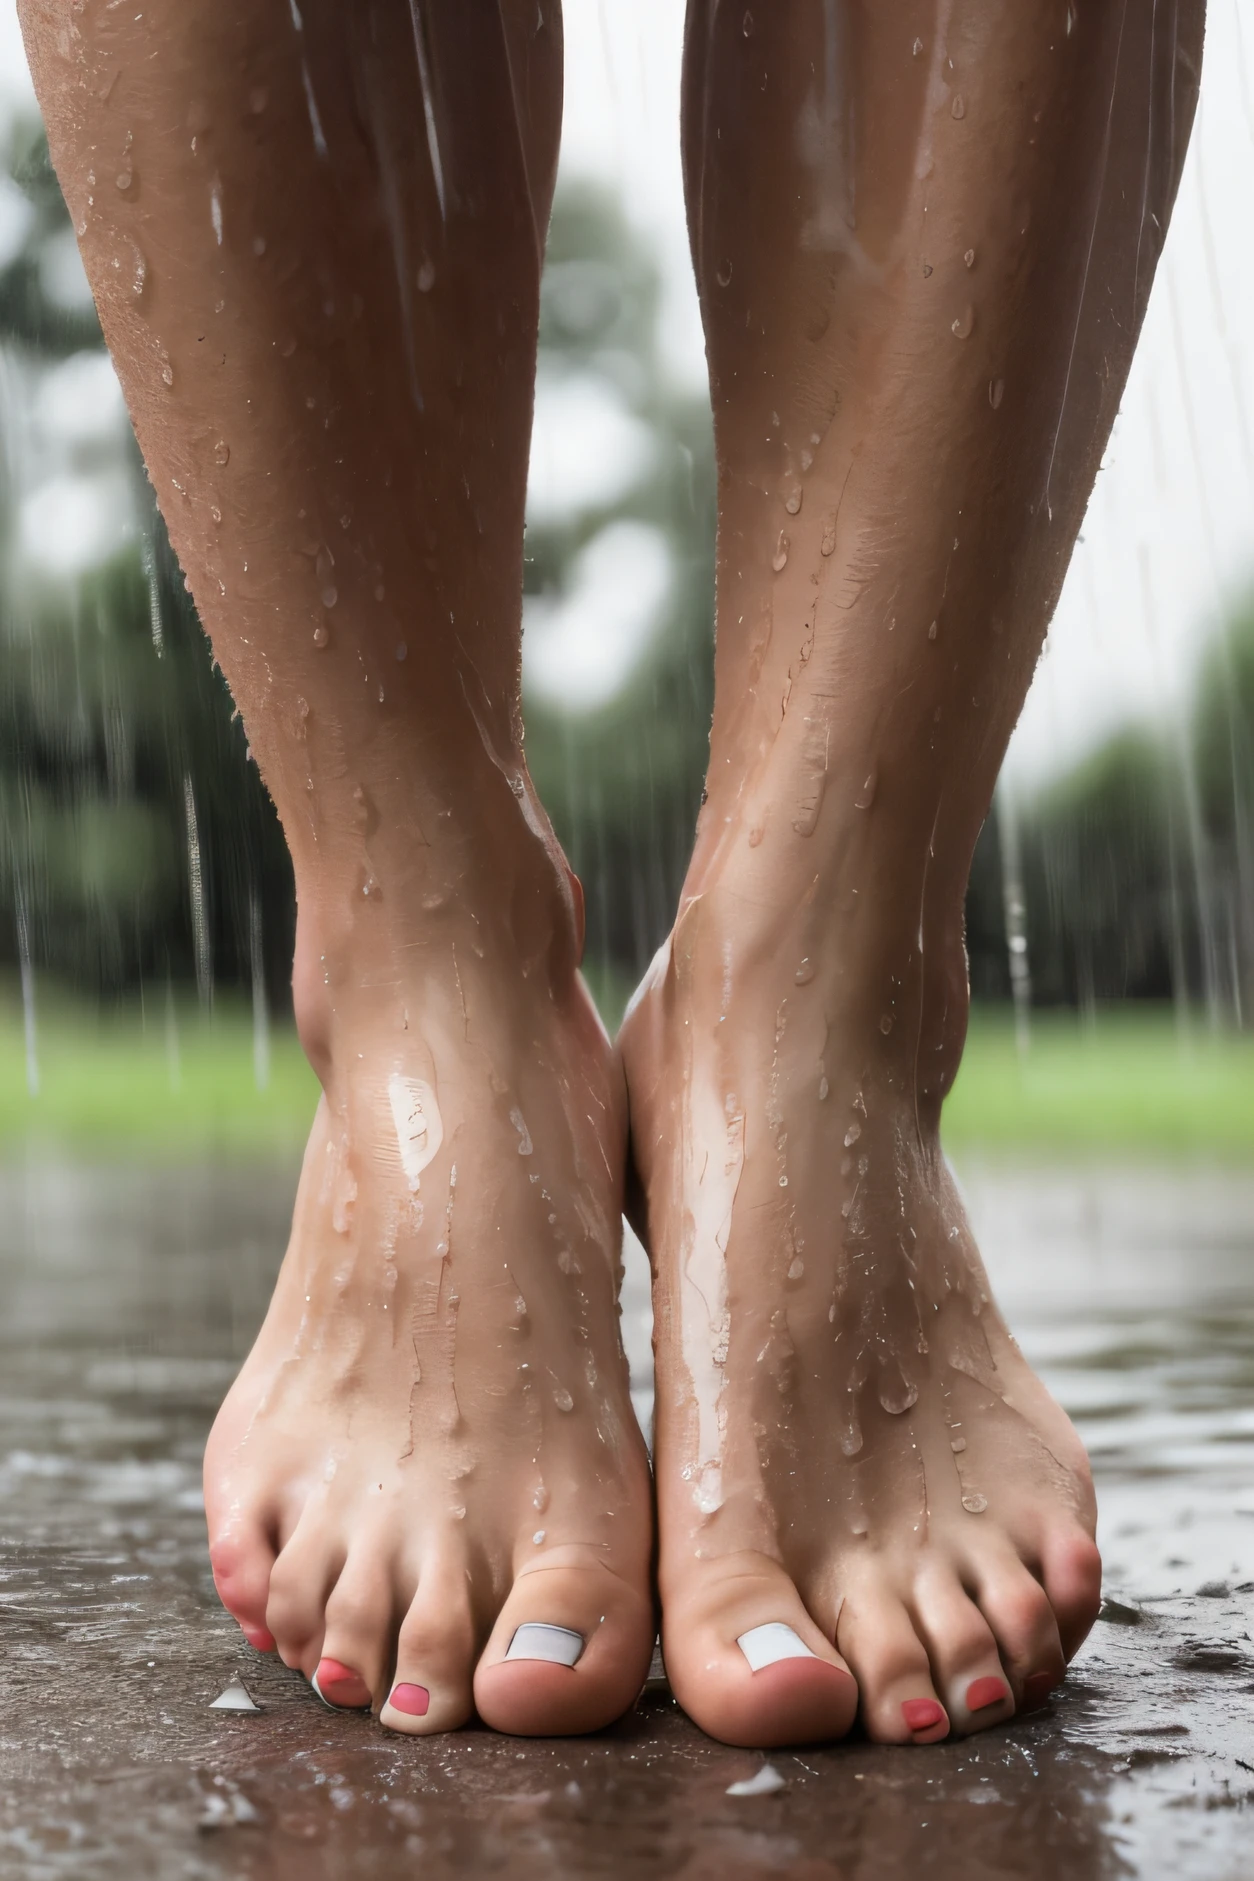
point(748, 1663)
point(569, 1652)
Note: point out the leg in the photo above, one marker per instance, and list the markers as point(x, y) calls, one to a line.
point(315, 238)
point(923, 235)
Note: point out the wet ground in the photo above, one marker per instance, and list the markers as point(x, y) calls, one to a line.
point(126, 1297)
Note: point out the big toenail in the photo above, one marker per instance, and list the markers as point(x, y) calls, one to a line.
point(921, 1714)
point(536, 1639)
point(767, 1645)
point(413, 1700)
point(1037, 1689)
point(331, 1673)
point(981, 1693)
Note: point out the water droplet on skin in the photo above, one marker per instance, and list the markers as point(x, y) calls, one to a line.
point(779, 560)
point(321, 636)
point(824, 1088)
point(866, 796)
point(852, 1134)
point(793, 500)
point(783, 1182)
point(215, 212)
point(1070, 19)
point(167, 374)
point(755, 835)
point(969, 257)
point(796, 1268)
point(916, 48)
point(933, 630)
point(330, 596)
point(958, 1445)
point(222, 452)
point(927, 269)
point(828, 544)
point(540, 1500)
point(804, 973)
point(80, 228)
point(860, 1526)
point(426, 276)
point(898, 1400)
point(563, 1399)
point(215, 512)
point(961, 327)
point(723, 273)
point(537, 1540)
point(886, 1024)
point(125, 178)
point(975, 1505)
point(458, 1511)
point(746, 26)
point(958, 109)
point(996, 390)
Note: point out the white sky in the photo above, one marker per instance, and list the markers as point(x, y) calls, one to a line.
point(1169, 539)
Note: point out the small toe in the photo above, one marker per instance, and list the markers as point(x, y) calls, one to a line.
point(1071, 1566)
point(1022, 1621)
point(300, 1583)
point(242, 1560)
point(749, 1664)
point(899, 1703)
point(569, 1652)
point(435, 1655)
point(355, 1655)
point(966, 1667)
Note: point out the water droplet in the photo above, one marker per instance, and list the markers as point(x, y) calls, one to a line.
point(804, 973)
point(996, 391)
point(852, 1134)
point(961, 327)
point(321, 636)
point(975, 1505)
point(779, 560)
point(125, 178)
point(563, 1399)
point(933, 630)
point(866, 796)
point(139, 271)
point(958, 1445)
point(916, 48)
point(329, 596)
point(824, 1088)
point(215, 512)
point(793, 500)
point(215, 211)
point(723, 273)
point(886, 1024)
point(783, 1182)
point(426, 276)
point(540, 1500)
point(796, 1268)
point(958, 109)
point(402, 651)
point(969, 257)
point(1070, 18)
point(80, 228)
point(167, 374)
point(927, 269)
point(222, 452)
point(746, 26)
point(537, 1539)
point(755, 835)
point(898, 1398)
point(828, 544)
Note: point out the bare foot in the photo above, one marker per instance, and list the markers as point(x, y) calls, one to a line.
point(851, 1453)
point(427, 1485)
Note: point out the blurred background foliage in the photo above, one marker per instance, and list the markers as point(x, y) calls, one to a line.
point(137, 845)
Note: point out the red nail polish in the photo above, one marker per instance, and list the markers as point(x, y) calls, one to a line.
point(1037, 1689)
point(981, 1693)
point(921, 1714)
point(338, 1684)
point(413, 1700)
point(258, 1638)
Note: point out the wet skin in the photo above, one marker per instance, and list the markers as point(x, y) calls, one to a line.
point(324, 319)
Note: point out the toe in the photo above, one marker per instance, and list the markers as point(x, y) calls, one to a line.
point(435, 1657)
point(749, 1664)
point(898, 1700)
point(966, 1667)
point(569, 1652)
point(1022, 1621)
point(355, 1656)
point(300, 1583)
point(242, 1559)
point(1071, 1565)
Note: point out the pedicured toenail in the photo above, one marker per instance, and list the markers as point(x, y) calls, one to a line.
point(413, 1700)
point(767, 1645)
point(981, 1693)
point(331, 1673)
point(922, 1714)
point(537, 1640)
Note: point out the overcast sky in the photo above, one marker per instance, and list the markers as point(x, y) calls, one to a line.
point(1169, 540)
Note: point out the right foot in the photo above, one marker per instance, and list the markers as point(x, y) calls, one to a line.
point(427, 1486)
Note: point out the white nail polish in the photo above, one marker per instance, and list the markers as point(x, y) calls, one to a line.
point(767, 1645)
point(537, 1640)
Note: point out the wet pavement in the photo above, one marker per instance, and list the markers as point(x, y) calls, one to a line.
point(126, 1297)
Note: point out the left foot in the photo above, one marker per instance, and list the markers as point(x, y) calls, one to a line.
point(851, 1453)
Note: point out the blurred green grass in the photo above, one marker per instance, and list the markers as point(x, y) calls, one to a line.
point(160, 1079)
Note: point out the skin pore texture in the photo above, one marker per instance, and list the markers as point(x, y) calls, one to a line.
point(315, 241)
point(924, 235)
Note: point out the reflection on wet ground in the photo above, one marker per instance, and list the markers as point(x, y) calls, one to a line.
point(126, 1297)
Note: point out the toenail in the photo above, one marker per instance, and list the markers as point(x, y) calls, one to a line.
point(331, 1673)
point(767, 1645)
point(538, 1640)
point(921, 1714)
point(981, 1693)
point(1037, 1689)
point(413, 1700)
